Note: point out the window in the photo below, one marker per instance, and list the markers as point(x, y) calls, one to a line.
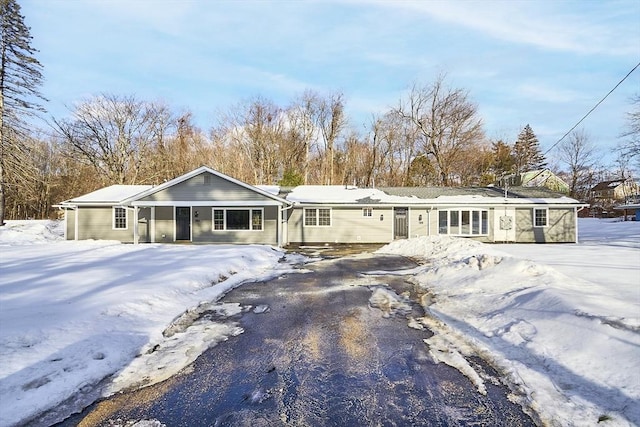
point(320, 217)
point(256, 219)
point(119, 218)
point(463, 222)
point(540, 217)
point(237, 219)
point(218, 219)
point(367, 212)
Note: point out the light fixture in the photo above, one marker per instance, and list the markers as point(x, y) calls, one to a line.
point(381, 217)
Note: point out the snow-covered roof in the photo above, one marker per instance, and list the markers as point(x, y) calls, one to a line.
point(111, 194)
point(346, 195)
point(271, 189)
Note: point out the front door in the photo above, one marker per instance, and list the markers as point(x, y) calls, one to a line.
point(400, 223)
point(183, 223)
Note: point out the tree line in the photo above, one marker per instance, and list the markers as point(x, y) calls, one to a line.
point(433, 136)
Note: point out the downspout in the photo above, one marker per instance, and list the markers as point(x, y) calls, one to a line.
point(281, 210)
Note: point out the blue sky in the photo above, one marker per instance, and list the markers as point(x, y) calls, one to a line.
point(545, 63)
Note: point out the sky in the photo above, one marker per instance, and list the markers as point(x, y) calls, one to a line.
point(559, 321)
point(543, 63)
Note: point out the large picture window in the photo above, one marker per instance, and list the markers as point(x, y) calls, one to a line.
point(317, 217)
point(238, 219)
point(463, 222)
point(540, 217)
point(119, 218)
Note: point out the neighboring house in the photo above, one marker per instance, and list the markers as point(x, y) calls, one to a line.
point(202, 206)
point(209, 207)
point(537, 178)
point(630, 209)
point(618, 190)
point(607, 194)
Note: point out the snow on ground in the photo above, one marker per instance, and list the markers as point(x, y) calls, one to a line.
point(562, 322)
point(74, 313)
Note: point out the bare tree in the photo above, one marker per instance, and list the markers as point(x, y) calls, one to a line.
point(20, 77)
point(630, 147)
point(577, 152)
point(446, 122)
point(113, 134)
point(330, 119)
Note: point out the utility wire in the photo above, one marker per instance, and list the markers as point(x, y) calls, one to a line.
point(594, 107)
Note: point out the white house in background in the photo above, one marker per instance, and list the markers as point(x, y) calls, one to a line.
point(205, 206)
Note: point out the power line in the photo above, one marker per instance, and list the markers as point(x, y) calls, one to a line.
point(594, 107)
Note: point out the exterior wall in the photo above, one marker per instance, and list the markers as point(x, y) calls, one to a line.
point(97, 223)
point(70, 222)
point(418, 222)
point(561, 226)
point(144, 225)
point(347, 226)
point(202, 228)
point(199, 189)
point(164, 226)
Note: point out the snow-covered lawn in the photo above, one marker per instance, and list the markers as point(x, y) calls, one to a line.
point(73, 313)
point(562, 322)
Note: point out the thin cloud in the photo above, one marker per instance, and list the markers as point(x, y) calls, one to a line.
point(579, 27)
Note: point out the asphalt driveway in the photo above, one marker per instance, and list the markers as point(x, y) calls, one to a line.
point(318, 350)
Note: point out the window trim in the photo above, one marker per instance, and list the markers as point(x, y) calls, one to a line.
point(114, 209)
point(317, 217)
point(367, 212)
point(546, 217)
point(224, 219)
point(482, 225)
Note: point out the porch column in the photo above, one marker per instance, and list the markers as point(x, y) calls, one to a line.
point(135, 225)
point(152, 229)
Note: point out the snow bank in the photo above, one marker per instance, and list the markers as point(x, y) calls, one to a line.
point(569, 345)
point(74, 313)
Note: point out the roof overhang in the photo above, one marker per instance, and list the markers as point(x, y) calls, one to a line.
point(236, 203)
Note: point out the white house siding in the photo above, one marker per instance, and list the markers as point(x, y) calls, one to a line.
point(198, 189)
point(418, 222)
point(561, 226)
point(348, 225)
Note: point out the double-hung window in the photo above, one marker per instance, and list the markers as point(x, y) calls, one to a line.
point(238, 219)
point(317, 217)
point(540, 217)
point(463, 222)
point(367, 212)
point(119, 218)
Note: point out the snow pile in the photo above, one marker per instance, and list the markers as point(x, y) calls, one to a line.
point(30, 232)
point(569, 345)
point(75, 313)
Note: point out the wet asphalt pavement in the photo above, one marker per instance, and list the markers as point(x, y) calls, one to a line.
point(315, 352)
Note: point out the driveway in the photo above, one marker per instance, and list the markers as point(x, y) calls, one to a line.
point(318, 350)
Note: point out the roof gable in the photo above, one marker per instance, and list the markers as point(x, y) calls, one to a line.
point(182, 179)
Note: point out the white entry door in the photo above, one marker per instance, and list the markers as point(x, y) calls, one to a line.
point(504, 227)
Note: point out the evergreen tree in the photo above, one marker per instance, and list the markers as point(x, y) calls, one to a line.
point(502, 158)
point(526, 152)
point(20, 77)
